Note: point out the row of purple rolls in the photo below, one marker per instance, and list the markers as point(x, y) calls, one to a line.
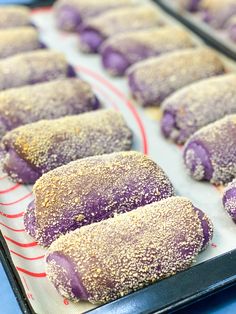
point(90, 187)
point(165, 68)
point(220, 15)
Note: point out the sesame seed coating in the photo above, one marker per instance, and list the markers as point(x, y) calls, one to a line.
point(71, 13)
point(48, 100)
point(198, 105)
point(120, 20)
point(32, 67)
point(95, 188)
point(148, 244)
point(17, 40)
point(14, 16)
point(62, 140)
point(229, 199)
point(138, 45)
point(154, 79)
point(210, 153)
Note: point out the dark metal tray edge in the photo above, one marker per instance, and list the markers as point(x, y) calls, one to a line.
point(209, 39)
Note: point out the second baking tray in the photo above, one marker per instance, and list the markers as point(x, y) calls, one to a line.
point(193, 22)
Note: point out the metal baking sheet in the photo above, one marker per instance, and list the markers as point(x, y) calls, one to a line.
point(216, 38)
point(218, 261)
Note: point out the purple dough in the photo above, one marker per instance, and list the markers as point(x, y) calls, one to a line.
point(154, 79)
point(95, 30)
point(70, 14)
point(197, 105)
point(229, 199)
point(60, 141)
point(18, 40)
point(123, 50)
point(148, 244)
point(14, 16)
point(210, 153)
point(192, 5)
point(33, 67)
point(29, 220)
point(60, 98)
point(93, 189)
point(217, 12)
point(231, 28)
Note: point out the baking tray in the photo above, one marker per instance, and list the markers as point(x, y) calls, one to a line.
point(201, 280)
point(214, 38)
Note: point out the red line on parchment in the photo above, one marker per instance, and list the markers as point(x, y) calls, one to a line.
point(13, 215)
point(27, 258)
point(41, 9)
point(17, 201)
point(25, 245)
point(12, 188)
point(12, 229)
point(104, 93)
point(4, 177)
point(123, 98)
point(27, 272)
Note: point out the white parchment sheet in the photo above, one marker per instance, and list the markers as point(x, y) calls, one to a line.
point(27, 256)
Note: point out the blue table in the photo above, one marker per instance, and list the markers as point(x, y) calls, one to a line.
point(221, 303)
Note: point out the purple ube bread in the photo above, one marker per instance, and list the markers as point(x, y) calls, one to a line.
point(97, 29)
point(109, 259)
point(17, 40)
point(122, 50)
point(152, 80)
point(210, 153)
point(231, 28)
point(93, 189)
point(70, 14)
point(217, 12)
point(33, 67)
point(37, 148)
point(190, 5)
point(49, 100)
point(197, 105)
point(229, 199)
point(14, 16)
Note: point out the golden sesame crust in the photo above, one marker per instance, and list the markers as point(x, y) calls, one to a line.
point(60, 98)
point(97, 187)
point(70, 137)
point(132, 18)
point(148, 244)
point(20, 69)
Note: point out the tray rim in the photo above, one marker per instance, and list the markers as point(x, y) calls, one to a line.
point(201, 32)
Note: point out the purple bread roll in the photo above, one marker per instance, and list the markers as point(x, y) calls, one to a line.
point(190, 5)
point(17, 40)
point(14, 16)
point(93, 189)
point(152, 80)
point(70, 14)
point(97, 29)
point(33, 67)
point(210, 153)
point(60, 98)
point(217, 12)
point(197, 105)
point(231, 28)
point(122, 50)
point(229, 199)
point(62, 140)
point(148, 244)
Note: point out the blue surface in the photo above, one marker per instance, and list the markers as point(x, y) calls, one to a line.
point(221, 303)
point(8, 301)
